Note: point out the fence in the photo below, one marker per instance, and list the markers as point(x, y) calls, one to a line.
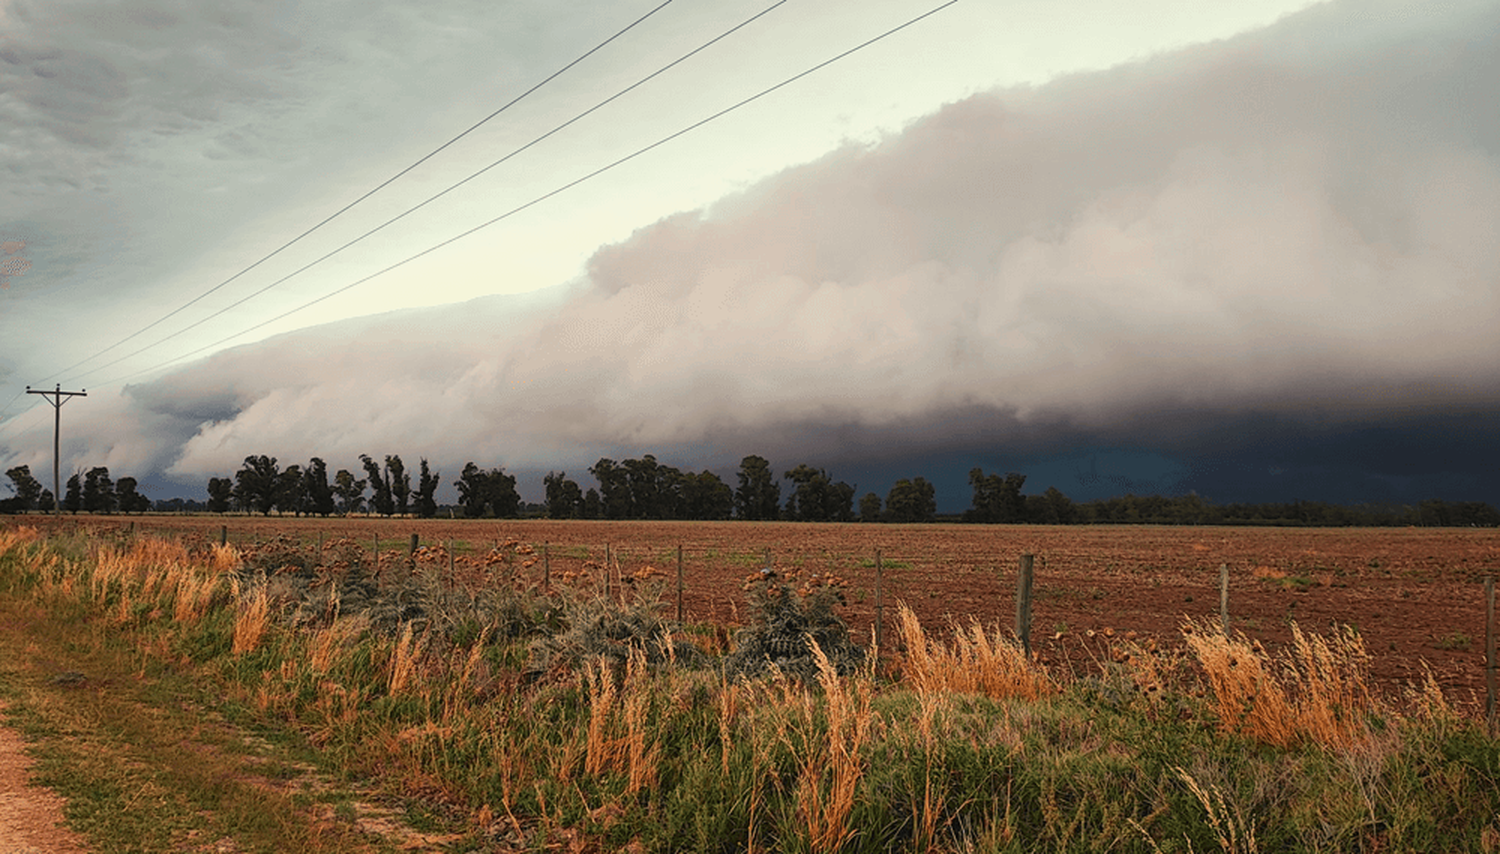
point(1136, 580)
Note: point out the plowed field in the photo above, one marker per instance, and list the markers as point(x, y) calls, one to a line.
point(1415, 595)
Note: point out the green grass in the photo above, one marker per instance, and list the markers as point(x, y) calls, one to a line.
point(269, 747)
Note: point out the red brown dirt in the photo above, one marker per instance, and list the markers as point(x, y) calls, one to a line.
point(1416, 595)
point(31, 818)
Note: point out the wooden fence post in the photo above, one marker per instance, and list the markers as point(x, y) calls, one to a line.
point(679, 582)
point(1489, 651)
point(879, 604)
point(1224, 598)
point(1023, 602)
point(223, 535)
point(411, 552)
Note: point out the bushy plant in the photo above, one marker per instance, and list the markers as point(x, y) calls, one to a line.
point(790, 615)
point(595, 626)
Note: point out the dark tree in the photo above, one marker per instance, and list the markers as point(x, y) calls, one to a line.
point(400, 483)
point(471, 493)
point(841, 502)
point(220, 493)
point(911, 501)
point(350, 492)
point(257, 484)
point(653, 488)
point(759, 494)
point(381, 500)
point(427, 484)
point(129, 500)
point(1051, 508)
point(816, 498)
point(98, 491)
point(564, 497)
point(500, 491)
point(73, 494)
point(997, 499)
point(705, 496)
point(869, 508)
point(315, 486)
point(492, 490)
point(291, 491)
point(28, 489)
point(593, 506)
point(614, 488)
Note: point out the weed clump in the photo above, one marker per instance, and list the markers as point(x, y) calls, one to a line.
point(595, 627)
point(792, 618)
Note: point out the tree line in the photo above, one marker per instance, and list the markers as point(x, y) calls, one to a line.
point(646, 489)
point(93, 491)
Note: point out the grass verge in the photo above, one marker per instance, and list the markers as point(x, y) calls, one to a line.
point(963, 744)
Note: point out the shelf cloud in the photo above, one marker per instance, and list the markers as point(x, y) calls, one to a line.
point(1287, 236)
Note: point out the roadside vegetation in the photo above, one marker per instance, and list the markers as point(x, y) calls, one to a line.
point(485, 712)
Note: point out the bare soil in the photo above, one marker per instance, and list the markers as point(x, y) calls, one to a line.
point(1415, 595)
point(31, 818)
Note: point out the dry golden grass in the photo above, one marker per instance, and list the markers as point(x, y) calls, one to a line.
point(252, 616)
point(618, 729)
point(324, 645)
point(601, 747)
point(17, 536)
point(642, 753)
point(830, 777)
point(1315, 691)
point(975, 663)
point(929, 812)
point(405, 657)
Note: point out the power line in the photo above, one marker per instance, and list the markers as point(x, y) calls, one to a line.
point(513, 211)
point(637, 84)
point(378, 188)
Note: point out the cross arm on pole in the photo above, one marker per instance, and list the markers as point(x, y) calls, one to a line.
point(57, 397)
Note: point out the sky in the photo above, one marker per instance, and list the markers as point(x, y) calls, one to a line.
point(1242, 250)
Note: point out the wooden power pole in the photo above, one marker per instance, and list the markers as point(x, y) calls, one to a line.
point(57, 397)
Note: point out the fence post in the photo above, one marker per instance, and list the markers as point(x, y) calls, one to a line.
point(679, 582)
point(1489, 651)
point(879, 604)
point(1023, 602)
point(413, 550)
point(223, 535)
point(1224, 598)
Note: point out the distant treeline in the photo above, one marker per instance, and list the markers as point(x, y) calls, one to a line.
point(647, 489)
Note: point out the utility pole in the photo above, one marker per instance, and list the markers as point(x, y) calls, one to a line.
point(57, 397)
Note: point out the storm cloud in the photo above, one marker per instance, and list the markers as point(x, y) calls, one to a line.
point(1232, 253)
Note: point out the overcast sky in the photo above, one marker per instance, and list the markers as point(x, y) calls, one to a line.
point(1246, 249)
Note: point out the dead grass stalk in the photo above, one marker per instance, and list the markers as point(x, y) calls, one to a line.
point(1316, 691)
point(976, 663)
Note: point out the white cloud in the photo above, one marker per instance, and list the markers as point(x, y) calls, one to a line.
point(1252, 225)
